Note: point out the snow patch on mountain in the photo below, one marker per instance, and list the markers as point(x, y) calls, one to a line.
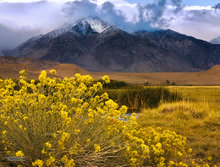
point(215, 40)
point(97, 25)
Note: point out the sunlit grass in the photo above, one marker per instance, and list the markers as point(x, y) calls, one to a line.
point(196, 118)
point(209, 94)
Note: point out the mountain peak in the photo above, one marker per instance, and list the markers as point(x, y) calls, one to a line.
point(94, 24)
point(82, 26)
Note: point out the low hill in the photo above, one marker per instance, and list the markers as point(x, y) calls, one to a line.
point(215, 70)
point(10, 67)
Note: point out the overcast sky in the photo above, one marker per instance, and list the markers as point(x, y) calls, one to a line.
point(22, 19)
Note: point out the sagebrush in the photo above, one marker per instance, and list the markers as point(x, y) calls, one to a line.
point(62, 122)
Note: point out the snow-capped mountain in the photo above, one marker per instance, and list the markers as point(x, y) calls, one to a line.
point(215, 40)
point(83, 26)
point(97, 46)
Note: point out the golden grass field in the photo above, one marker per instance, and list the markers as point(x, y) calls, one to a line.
point(197, 117)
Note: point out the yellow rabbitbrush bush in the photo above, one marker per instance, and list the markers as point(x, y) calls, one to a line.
point(62, 122)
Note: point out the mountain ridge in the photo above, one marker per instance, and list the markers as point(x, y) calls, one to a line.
point(112, 49)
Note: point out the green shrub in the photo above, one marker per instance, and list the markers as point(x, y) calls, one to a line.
point(146, 83)
point(168, 82)
point(114, 84)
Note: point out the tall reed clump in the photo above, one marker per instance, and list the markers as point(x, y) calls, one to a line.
point(62, 122)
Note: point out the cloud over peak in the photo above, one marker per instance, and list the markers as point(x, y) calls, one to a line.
point(130, 18)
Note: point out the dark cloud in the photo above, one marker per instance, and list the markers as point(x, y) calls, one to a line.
point(177, 4)
point(217, 6)
point(153, 13)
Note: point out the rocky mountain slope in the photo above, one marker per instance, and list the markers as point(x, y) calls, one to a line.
point(96, 46)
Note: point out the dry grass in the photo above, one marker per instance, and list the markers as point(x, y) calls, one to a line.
point(210, 77)
point(193, 120)
point(197, 118)
point(200, 94)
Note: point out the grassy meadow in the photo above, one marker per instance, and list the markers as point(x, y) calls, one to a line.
point(196, 117)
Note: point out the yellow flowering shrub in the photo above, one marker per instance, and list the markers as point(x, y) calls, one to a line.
point(63, 122)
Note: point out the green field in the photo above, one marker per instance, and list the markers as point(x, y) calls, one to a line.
point(197, 117)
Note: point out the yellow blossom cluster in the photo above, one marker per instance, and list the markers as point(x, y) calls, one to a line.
point(64, 122)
